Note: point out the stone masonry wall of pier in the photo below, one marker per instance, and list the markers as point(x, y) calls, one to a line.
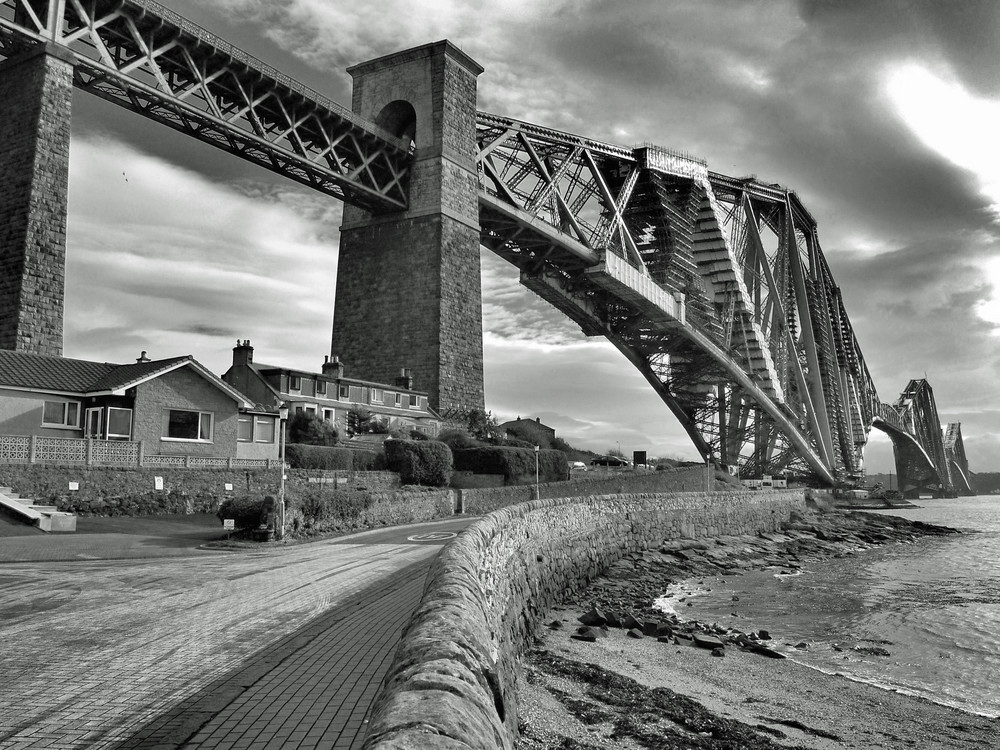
point(35, 91)
point(453, 681)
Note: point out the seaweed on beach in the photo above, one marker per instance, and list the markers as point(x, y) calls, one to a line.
point(655, 718)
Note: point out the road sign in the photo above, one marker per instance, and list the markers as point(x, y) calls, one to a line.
point(229, 524)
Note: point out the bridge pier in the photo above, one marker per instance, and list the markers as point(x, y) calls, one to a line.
point(36, 91)
point(408, 283)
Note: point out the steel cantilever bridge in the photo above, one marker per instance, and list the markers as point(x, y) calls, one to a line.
point(715, 288)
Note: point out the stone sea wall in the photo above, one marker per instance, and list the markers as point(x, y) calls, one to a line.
point(453, 681)
point(482, 500)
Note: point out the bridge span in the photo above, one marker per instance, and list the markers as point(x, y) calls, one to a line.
point(714, 287)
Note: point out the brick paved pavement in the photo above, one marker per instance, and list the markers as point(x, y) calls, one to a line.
point(284, 648)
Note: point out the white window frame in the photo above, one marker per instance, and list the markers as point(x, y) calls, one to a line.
point(414, 401)
point(330, 415)
point(294, 383)
point(108, 434)
point(202, 415)
point(65, 423)
point(244, 419)
point(320, 387)
point(255, 423)
point(376, 396)
point(398, 399)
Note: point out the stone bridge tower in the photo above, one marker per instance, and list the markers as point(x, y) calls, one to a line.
point(408, 283)
point(35, 90)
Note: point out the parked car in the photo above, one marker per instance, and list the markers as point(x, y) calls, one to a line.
point(577, 466)
point(609, 461)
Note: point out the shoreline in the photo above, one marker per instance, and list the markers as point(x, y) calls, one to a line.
point(735, 698)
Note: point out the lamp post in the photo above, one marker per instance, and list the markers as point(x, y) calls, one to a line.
point(282, 419)
point(536, 472)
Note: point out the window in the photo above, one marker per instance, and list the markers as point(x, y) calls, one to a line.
point(320, 387)
point(399, 399)
point(294, 383)
point(251, 429)
point(414, 402)
point(61, 414)
point(263, 430)
point(119, 423)
point(376, 396)
point(310, 408)
point(189, 425)
point(344, 392)
point(329, 415)
point(244, 428)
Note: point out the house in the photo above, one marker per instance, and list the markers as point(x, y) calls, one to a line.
point(516, 427)
point(332, 396)
point(167, 407)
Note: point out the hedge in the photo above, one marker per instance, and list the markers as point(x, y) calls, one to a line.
point(515, 464)
point(302, 456)
point(425, 462)
point(248, 511)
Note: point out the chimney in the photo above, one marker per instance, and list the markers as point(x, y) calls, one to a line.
point(242, 353)
point(405, 379)
point(143, 358)
point(333, 368)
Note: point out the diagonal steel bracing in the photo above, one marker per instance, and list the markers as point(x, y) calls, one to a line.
point(146, 58)
point(714, 287)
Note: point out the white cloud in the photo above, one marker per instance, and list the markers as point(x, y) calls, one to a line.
point(162, 259)
point(959, 126)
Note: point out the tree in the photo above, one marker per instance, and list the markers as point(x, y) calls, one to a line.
point(358, 419)
point(482, 425)
point(308, 429)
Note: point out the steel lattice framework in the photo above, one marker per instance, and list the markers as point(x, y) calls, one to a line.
point(148, 59)
point(715, 288)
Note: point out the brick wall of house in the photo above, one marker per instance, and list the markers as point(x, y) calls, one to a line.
point(183, 389)
point(408, 284)
point(34, 175)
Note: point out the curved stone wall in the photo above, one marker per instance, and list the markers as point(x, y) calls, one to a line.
point(453, 681)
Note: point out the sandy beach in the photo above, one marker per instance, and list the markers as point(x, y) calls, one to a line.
point(622, 691)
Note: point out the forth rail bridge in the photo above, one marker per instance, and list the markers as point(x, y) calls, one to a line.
point(714, 287)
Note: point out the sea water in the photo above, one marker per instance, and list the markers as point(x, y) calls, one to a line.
point(922, 618)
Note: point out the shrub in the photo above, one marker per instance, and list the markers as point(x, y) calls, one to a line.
point(457, 438)
point(426, 462)
point(515, 464)
point(318, 457)
point(248, 511)
point(309, 429)
point(368, 460)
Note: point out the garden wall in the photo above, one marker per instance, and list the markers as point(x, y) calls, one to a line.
point(319, 512)
point(453, 680)
point(131, 491)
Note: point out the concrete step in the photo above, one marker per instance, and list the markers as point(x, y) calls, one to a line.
point(44, 517)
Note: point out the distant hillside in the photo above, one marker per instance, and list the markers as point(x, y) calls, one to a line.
point(984, 484)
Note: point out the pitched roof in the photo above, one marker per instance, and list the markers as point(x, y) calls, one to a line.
point(46, 373)
point(125, 376)
point(41, 372)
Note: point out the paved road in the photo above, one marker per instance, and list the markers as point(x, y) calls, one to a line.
point(283, 648)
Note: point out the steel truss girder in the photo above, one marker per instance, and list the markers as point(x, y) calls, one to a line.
point(780, 374)
point(148, 59)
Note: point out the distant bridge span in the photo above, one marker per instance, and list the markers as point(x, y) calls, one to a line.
point(715, 288)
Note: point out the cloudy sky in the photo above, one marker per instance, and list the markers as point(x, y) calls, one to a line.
point(883, 116)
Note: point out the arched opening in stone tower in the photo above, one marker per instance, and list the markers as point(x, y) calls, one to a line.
point(400, 119)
